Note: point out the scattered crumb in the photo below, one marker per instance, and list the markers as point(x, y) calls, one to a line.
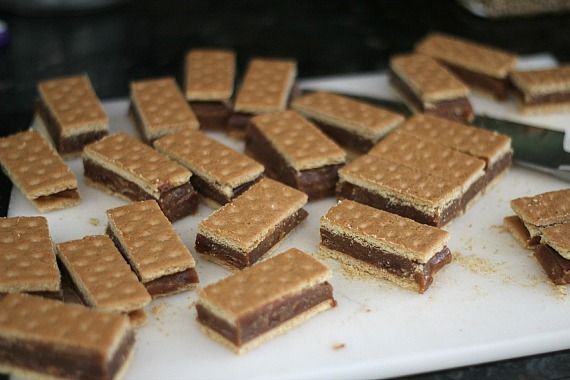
point(560, 291)
point(338, 346)
point(94, 221)
point(500, 228)
point(478, 291)
point(191, 306)
point(474, 263)
point(158, 309)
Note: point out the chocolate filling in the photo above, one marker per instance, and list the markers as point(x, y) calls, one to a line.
point(458, 109)
point(545, 99)
point(212, 114)
point(239, 121)
point(268, 317)
point(175, 202)
point(316, 183)
point(137, 120)
point(71, 194)
point(555, 266)
point(65, 145)
point(346, 138)
point(499, 88)
point(240, 260)
point(209, 191)
point(65, 362)
point(421, 273)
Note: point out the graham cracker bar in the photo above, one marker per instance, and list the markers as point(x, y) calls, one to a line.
point(384, 244)
point(426, 86)
point(242, 231)
point(155, 252)
point(219, 173)
point(38, 171)
point(482, 67)
point(250, 307)
point(353, 124)
point(542, 91)
point(295, 152)
point(70, 113)
point(104, 280)
point(27, 258)
point(553, 253)
point(124, 166)
point(46, 339)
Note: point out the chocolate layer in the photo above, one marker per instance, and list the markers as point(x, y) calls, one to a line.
point(343, 137)
point(499, 88)
point(545, 99)
point(240, 260)
point(71, 194)
point(239, 121)
point(175, 202)
point(555, 266)
point(316, 183)
point(136, 118)
point(209, 191)
point(212, 115)
point(268, 317)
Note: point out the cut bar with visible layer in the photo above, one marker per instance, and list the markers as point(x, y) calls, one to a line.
point(156, 253)
point(244, 310)
point(542, 91)
point(553, 253)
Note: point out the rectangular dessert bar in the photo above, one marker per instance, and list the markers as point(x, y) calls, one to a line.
point(553, 253)
point(209, 85)
point(542, 91)
point(70, 113)
point(353, 124)
point(121, 165)
point(38, 171)
point(428, 87)
point(482, 67)
point(219, 173)
point(158, 108)
point(153, 249)
point(27, 257)
point(242, 231)
point(384, 245)
point(250, 307)
point(295, 152)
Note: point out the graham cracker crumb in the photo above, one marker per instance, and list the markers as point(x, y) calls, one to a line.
point(158, 309)
point(338, 346)
point(560, 291)
point(474, 263)
point(94, 221)
point(499, 228)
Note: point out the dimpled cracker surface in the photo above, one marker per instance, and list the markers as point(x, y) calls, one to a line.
point(542, 82)
point(270, 280)
point(34, 167)
point(558, 237)
point(102, 275)
point(429, 80)
point(474, 141)
point(210, 74)
point(27, 259)
point(150, 243)
point(467, 54)
point(396, 234)
point(162, 107)
point(209, 158)
point(340, 111)
point(302, 144)
point(266, 86)
point(74, 104)
point(138, 162)
point(544, 209)
point(246, 220)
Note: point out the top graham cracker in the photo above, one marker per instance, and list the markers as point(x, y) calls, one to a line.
point(251, 289)
point(542, 82)
point(102, 275)
point(74, 104)
point(248, 219)
point(27, 258)
point(302, 144)
point(358, 117)
point(149, 241)
point(477, 142)
point(209, 158)
point(390, 232)
point(210, 74)
point(467, 54)
point(266, 86)
point(558, 237)
point(429, 80)
point(544, 209)
point(137, 162)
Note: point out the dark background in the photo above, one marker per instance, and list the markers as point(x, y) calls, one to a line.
point(147, 38)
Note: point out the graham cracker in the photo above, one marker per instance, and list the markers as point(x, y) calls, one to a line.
point(558, 237)
point(355, 116)
point(266, 86)
point(148, 241)
point(429, 80)
point(468, 54)
point(264, 205)
point(542, 82)
point(74, 104)
point(38, 171)
point(544, 209)
point(517, 229)
point(101, 274)
point(537, 109)
point(161, 107)
point(299, 142)
point(209, 74)
point(137, 162)
point(27, 259)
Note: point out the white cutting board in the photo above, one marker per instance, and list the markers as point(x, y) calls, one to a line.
point(493, 302)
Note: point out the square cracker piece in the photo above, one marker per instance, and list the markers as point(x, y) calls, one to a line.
point(544, 209)
point(38, 171)
point(542, 82)
point(27, 257)
point(209, 74)
point(558, 237)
